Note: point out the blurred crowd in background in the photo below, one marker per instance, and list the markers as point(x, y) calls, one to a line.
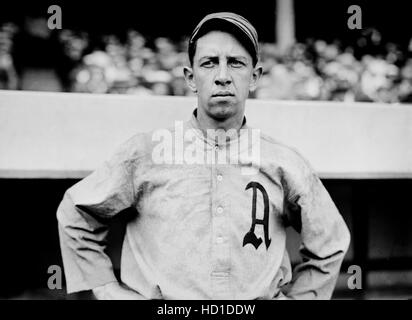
point(32, 57)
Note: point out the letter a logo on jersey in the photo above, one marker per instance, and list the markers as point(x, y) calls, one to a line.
point(250, 237)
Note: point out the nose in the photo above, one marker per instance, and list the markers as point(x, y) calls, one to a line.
point(223, 76)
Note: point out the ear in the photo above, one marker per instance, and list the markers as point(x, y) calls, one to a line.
point(189, 77)
point(257, 73)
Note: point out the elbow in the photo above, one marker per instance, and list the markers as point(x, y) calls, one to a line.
point(346, 239)
point(65, 204)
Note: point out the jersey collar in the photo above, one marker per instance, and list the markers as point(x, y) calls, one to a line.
point(231, 135)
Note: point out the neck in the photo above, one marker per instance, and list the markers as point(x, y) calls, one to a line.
point(206, 122)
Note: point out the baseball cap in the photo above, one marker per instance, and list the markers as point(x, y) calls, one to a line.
point(231, 22)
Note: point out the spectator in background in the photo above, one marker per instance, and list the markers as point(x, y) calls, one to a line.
point(74, 46)
point(8, 75)
point(92, 75)
point(38, 56)
point(405, 85)
point(377, 80)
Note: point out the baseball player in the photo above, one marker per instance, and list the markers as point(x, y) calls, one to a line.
point(209, 226)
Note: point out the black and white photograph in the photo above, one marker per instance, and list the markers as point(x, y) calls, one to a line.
point(216, 150)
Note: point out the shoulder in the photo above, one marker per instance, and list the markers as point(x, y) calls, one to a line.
point(282, 152)
point(140, 146)
point(296, 171)
point(134, 148)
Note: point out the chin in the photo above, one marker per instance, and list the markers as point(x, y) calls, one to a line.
point(222, 111)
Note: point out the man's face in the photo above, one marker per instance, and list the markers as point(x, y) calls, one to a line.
point(222, 75)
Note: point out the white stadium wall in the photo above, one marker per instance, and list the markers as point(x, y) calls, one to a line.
point(67, 135)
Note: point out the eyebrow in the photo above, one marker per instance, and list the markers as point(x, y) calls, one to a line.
point(238, 57)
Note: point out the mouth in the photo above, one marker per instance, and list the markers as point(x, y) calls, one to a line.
point(223, 94)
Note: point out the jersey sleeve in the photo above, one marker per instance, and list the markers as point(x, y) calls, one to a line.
point(83, 219)
point(324, 234)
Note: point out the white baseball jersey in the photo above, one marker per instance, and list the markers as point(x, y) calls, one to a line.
point(211, 219)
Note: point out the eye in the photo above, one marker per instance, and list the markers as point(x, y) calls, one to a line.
point(207, 64)
point(237, 63)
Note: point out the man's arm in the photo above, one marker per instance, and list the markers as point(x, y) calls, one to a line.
point(83, 218)
point(115, 291)
point(325, 238)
